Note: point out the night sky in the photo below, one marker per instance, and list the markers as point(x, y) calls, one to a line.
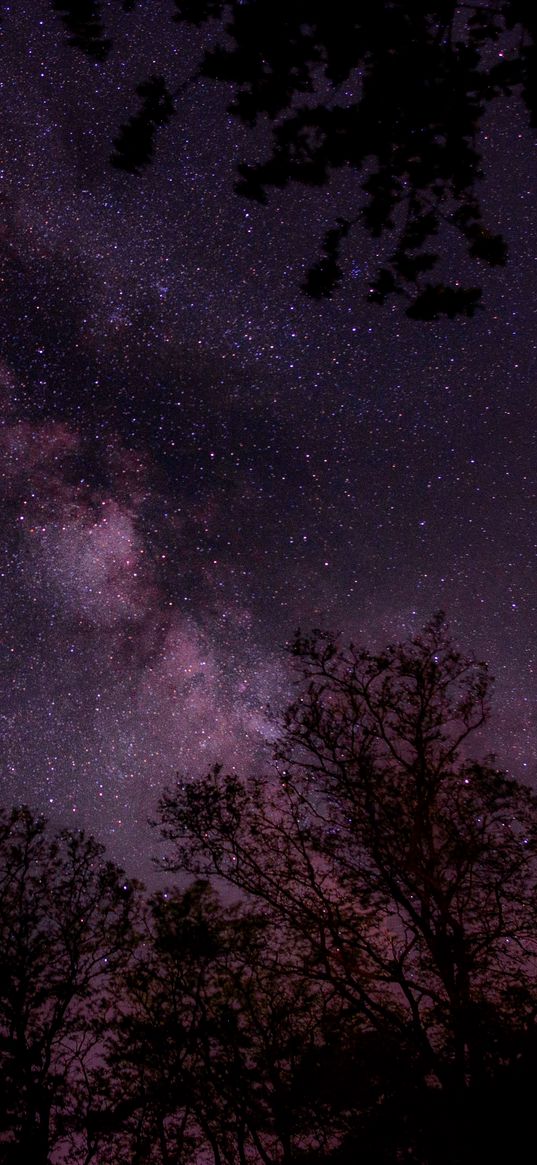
point(196, 459)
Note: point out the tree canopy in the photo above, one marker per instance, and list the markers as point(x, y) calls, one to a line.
point(344, 966)
point(66, 933)
point(395, 874)
point(391, 92)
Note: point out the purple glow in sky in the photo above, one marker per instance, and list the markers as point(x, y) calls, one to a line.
point(195, 458)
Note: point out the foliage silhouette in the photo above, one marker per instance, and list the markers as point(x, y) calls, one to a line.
point(134, 147)
point(215, 1048)
point(392, 92)
point(65, 937)
point(84, 25)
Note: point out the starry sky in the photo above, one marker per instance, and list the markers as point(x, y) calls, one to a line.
point(195, 459)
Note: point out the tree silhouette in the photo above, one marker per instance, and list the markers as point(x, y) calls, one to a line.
point(393, 92)
point(362, 986)
point(398, 873)
point(216, 1055)
point(65, 936)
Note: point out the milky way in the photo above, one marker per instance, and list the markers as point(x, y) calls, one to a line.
point(196, 459)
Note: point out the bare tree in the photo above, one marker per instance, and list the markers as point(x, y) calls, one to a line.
point(65, 937)
point(397, 873)
point(216, 1046)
